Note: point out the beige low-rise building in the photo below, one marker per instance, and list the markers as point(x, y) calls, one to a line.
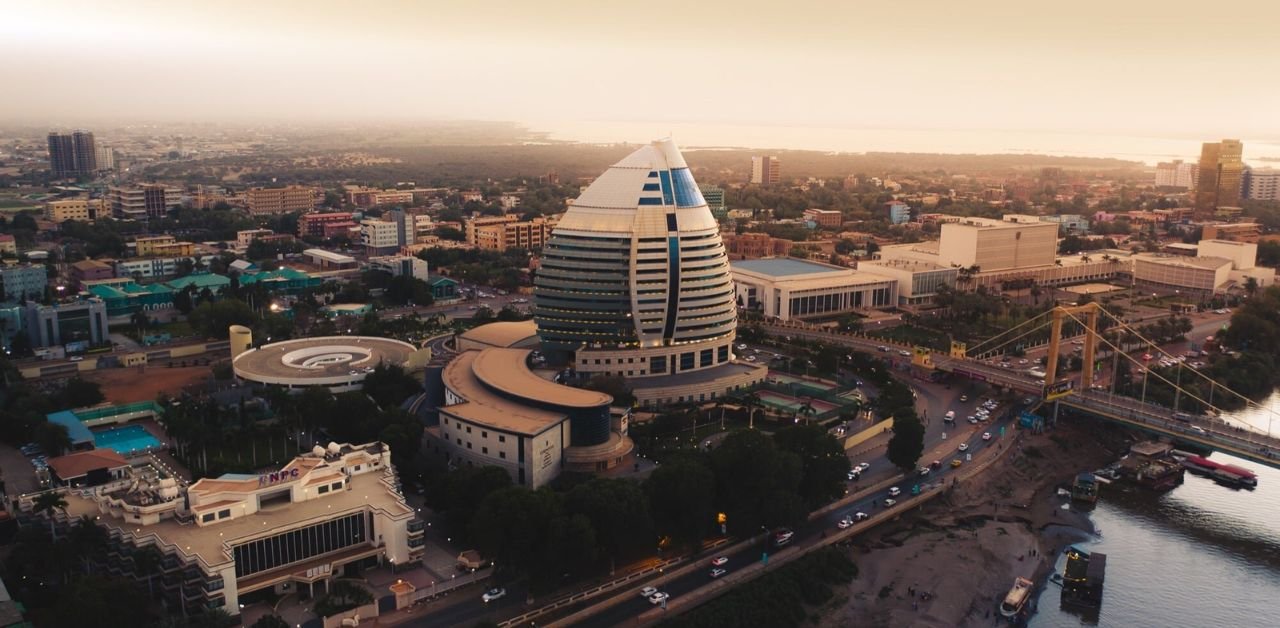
point(500, 233)
point(228, 540)
point(788, 288)
point(497, 412)
point(82, 209)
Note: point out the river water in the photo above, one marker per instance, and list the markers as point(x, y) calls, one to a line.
point(1199, 555)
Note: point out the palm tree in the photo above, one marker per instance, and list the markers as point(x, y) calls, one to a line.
point(146, 562)
point(47, 503)
point(1250, 285)
point(807, 410)
point(752, 401)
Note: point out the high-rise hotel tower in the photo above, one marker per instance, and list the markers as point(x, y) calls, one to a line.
point(635, 282)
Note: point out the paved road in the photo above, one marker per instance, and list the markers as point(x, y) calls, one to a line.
point(809, 534)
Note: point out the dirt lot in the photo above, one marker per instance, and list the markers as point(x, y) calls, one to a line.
point(952, 563)
point(128, 385)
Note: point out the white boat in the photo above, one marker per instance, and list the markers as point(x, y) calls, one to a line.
point(1016, 599)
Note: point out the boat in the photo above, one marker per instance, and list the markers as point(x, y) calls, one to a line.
point(1083, 578)
point(1227, 474)
point(1016, 599)
point(1085, 488)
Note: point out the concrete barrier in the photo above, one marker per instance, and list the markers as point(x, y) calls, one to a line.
point(868, 434)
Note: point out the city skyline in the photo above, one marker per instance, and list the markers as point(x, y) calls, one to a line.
point(917, 67)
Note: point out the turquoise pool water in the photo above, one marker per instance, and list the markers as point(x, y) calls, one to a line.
point(126, 440)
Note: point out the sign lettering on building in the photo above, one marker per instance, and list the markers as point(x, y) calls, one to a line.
point(276, 477)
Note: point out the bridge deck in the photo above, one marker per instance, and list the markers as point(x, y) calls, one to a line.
point(1249, 444)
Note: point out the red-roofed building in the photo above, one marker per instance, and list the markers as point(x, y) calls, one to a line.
point(88, 468)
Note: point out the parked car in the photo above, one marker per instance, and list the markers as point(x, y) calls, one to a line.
point(493, 594)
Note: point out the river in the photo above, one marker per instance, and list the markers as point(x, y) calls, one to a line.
point(1199, 555)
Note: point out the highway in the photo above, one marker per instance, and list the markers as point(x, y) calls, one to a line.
point(814, 531)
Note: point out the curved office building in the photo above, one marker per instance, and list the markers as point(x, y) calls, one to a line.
point(634, 280)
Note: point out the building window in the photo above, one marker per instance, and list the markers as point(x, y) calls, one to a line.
point(468, 429)
point(223, 514)
point(501, 438)
point(686, 361)
point(207, 518)
point(658, 364)
point(298, 545)
point(705, 358)
point(468, 444)
point(324, 489)
point(484, 450)
point(484, 434)
point(336, 486)
point(459, 440)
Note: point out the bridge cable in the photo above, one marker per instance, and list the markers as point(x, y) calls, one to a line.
point(1010, 330)
point(1150, 372)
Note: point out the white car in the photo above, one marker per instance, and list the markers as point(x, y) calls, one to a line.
point(742, 347)
point(751, 358)
point(716, 573)
point(844, 523)
point(964, 447)
point(647, 591)
point(861, 516)
point(863, 466)
point(658, 598)
point(719, 560)
point(986, 436)
point(895, 491)
point(889, 502)
point(493, 594)
point(923, 471)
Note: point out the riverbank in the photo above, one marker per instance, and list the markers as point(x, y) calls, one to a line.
point(951, 563)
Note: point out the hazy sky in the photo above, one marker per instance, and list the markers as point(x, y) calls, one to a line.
point(1167, 67)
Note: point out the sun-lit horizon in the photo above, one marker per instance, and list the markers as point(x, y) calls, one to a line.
point(1138, 69)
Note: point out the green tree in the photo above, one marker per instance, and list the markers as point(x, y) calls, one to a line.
point(823, 462)
point(52, 438)
point(619, 513)
point(615, 387)
point(390, 385)
point(212, 320)
point(757, 484)
point(270, 621)
point(907, 444)
point(80, 393)
point(101, 602)
point(47, 503)
point(682, 497)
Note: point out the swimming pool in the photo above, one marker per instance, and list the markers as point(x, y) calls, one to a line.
point(126, 440)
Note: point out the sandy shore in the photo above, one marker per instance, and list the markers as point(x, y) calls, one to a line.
point(965, 549)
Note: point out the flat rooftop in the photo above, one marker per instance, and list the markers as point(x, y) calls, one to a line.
point(785, 266)
point(326, 356)
point(206, 543)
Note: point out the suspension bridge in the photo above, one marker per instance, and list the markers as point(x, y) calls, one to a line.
point(1203, 426)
